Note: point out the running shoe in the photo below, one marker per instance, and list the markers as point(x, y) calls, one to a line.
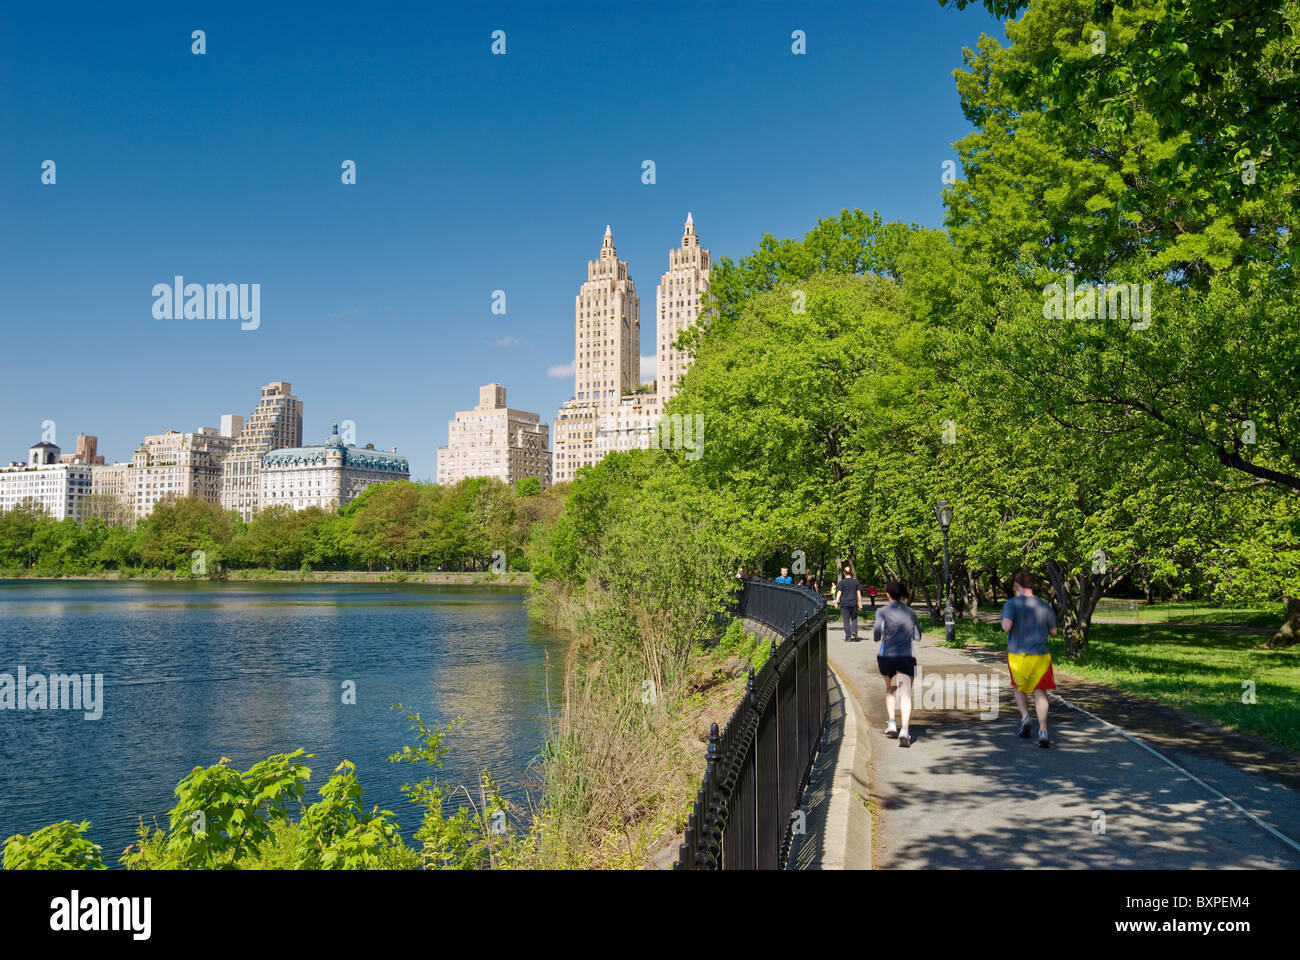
point(1042, 739)
point(904, 738)
point(892, 729)
point(1025, 726)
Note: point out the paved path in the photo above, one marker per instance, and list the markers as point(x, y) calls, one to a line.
point(969, 793)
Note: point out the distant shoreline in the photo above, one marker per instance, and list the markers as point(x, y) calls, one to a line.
point(468, 578)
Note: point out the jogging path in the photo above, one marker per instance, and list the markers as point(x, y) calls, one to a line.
point(971, 794)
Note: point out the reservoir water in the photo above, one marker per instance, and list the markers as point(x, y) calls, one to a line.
point(194, 672)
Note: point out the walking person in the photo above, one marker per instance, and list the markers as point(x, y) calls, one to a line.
point(848, 594)
point(785, 576)
point(896, 629)
point(1028, 621)
point(871, 592)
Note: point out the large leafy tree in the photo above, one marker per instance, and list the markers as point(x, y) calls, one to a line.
point(1122, 161)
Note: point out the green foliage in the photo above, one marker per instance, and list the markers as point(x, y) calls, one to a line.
point(344, 837)
point(476, 835)
point(223, 815)
point(399, 526)
point(244, 820)
point(60, 846)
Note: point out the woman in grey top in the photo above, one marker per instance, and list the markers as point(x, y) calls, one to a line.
point(896, 629)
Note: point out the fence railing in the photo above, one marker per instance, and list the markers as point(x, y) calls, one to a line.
point(758, 766)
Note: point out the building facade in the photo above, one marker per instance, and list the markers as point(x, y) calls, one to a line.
point(58, 488)
point(178, 464)
point(168, 464)
point(328, 476)
point(493, 440)
point(276, 424)
point(609, 411)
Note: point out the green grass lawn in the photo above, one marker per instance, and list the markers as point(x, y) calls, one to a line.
point(1188, 611)
point(1199, 671)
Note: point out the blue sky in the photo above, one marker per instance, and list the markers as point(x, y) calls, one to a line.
point(475, 173)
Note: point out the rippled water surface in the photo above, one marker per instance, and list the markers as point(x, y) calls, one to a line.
point(196, 672)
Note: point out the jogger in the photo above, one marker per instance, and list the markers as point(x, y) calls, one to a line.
point(1028, 622)
point(896, 628)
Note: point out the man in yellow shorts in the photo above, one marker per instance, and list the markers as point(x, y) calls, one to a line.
point(1028, 622)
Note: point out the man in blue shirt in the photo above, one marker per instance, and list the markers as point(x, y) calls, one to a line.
point(785, 576)
point(1028, 622)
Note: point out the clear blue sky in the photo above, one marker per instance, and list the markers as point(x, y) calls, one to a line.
point(474, 173)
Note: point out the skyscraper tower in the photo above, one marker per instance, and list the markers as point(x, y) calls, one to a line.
point(677, 306)
point(274, 425)
point(607, 335)
point(606, 361)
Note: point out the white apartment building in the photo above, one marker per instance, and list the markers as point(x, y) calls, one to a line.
point(493, 440)
point(328, 476)
point(57, 487)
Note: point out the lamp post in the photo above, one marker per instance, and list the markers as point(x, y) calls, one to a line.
point(944, 514)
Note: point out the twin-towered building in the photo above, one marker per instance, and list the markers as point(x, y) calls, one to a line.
point(610, 410)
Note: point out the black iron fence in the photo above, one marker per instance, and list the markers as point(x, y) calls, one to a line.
point(758, 767)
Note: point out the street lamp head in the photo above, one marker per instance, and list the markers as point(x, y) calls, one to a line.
point(944, 512)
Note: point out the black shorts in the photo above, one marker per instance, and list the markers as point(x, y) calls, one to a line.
point(892, 665)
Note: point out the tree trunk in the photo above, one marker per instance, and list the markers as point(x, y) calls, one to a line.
point(1289, 633)
point(1075, 598)
point(931, 610)
point(911, 574)
point(972, 589)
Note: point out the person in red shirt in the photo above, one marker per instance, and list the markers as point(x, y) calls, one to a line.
point(871, 592)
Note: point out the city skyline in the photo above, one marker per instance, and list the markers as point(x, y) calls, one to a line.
point(474, 174)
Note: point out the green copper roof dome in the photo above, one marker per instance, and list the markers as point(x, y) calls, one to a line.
point(329, 451)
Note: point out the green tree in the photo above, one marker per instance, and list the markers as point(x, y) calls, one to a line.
point(177, 527)
point(1124, 166)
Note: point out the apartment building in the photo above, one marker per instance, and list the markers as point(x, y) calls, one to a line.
point(492, 440)
point(275, 424)
point(328, 476)
point(58, 488)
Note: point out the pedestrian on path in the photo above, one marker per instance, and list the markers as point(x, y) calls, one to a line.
point(848, 594)
point(896, 629)
point(871, 592)
point(1028, 621)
